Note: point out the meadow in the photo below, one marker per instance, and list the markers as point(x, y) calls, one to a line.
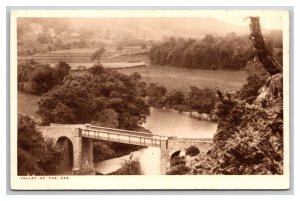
point(182, 79)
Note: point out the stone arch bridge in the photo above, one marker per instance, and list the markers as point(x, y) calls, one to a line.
point(82, 136)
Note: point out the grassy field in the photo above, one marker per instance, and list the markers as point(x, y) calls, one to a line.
point(83, 55)
point(182, 79)
point(27, 104)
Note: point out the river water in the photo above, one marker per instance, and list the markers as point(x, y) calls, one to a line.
point(162, 122)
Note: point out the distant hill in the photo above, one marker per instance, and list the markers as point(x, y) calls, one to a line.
point(156, 28)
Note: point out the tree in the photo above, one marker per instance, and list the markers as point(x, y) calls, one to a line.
point(265, 57)
point(229, 52)
point(62, 69)
point(36, 155)
point(96, 56)
point(155, 95)
point(97, 69)
point(43, 79)
point(39, 78)
point(201, 100)
point(87, 97)
point(175, 97)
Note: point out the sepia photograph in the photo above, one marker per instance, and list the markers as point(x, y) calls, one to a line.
point(149, 99)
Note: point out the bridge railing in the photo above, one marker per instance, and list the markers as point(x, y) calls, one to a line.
point(120, 131)
point(123, 137)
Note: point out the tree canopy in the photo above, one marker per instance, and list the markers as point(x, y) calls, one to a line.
point(39, 78)
point(36, 155)
point(231, 52)
point(85, 97)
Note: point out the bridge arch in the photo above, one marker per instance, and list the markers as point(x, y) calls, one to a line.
point(67, 148)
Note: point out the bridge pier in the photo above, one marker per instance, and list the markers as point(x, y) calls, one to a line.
point(83, 155)
point(164, 158)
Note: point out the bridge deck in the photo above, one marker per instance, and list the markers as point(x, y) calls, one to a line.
point(123, 136)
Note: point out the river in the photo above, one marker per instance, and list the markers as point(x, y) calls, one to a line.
point(162, 122)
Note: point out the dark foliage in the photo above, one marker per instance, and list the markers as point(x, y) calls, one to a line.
point(96, 56)
point(177, 160)
point(36, 155)
point(229, 52)
point(86, 98)
point(179, 170)
point(201, 100)
point(250, 90)
point(39, 78)
point(130, 166)
point(192, 151)
point(174, 97)
point(249, 139)
point(155, 94)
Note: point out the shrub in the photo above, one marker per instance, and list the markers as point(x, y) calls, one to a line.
point(192, 151)
point(175, 97)
point(177, 160)
point(179, 170)
point(201, 100)
point(130, 166)
point(39, 78)
point(97, 69)
point(250, 90)
point(36, 155)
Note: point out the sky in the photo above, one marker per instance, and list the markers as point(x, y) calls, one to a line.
point(266, 22)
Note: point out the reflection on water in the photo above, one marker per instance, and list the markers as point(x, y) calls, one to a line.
point(174, 123)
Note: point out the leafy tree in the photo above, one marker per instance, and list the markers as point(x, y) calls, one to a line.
point(36, 155)
point(192, 151)
point(62, 69)
point(155, 95)
point(175, 97)
point(96, 56)
point(201, 100)
point(97, 69)
point(229, 52)
point(43, 78)
point(39, 78)
point(86, 98)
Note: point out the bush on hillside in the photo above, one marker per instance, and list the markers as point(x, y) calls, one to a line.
point(129, 166)
point(192, 151)
point(201, 100)
point(36, 155)
point(179, 170)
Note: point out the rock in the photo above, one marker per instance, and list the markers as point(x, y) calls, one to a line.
point(272, 90)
